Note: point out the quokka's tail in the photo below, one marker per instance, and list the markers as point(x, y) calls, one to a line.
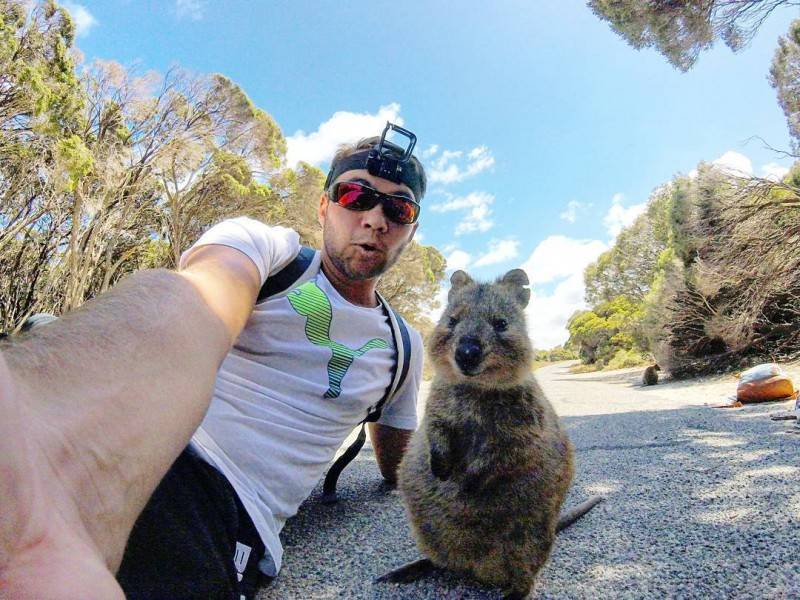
point(571, 515)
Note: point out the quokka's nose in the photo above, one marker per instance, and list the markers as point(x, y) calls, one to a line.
point(468, 353)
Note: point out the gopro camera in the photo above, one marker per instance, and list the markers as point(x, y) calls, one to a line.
point(382, 164)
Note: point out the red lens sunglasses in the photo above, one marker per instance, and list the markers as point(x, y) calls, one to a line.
point(357, 196)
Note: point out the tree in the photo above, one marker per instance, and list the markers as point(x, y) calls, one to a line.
point(600, 333)
point(217, 147)
point(784, 75)
point(40, 100)
point(681, 29)
point(112, 171)
point(628, 267)
point(300, 190)
point(411, 286)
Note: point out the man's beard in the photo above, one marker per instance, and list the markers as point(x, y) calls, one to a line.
point(377, 269)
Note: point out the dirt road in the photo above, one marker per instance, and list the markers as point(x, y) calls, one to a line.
point(701, 503)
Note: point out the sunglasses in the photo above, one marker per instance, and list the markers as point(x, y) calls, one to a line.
point(357, 196)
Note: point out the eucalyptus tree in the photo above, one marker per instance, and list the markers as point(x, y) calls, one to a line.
point(681, 29)
point(40, 100)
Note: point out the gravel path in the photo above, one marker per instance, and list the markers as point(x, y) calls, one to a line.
point(701, 503)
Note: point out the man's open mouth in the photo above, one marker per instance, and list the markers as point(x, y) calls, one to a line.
point(369, 247)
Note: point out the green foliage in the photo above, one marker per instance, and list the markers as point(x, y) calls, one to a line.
point(556, 354)
point(627, 268)
point(681, 29)
point(599, 333)
point(112, 171)
point(300, 190)
point(624, 359)
point(412, 284)
point(76, 159)
point(784, 75)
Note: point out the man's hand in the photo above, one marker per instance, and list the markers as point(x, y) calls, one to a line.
point(390, 444)
point(95, 407)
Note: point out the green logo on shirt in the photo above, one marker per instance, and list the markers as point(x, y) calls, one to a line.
point(311, 302)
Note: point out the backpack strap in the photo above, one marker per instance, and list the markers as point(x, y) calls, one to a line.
point(402, 343)
point(302, 267)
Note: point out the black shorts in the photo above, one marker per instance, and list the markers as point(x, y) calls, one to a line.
point(193, 540)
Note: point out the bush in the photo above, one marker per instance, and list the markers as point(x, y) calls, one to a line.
point(624, 359)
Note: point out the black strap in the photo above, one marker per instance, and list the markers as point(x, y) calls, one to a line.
point(286, 277)
point(284, 280)
point(329, 486)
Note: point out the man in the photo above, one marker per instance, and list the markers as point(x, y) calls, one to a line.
point(93, 414)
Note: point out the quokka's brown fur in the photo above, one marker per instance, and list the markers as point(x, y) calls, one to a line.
point(650, 376)
point(486, 473)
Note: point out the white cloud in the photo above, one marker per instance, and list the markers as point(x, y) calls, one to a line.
point(774, 171)
point(547, 315)
point(461, 202)
point(81, 17)
point(430, 151)
point(453, 166)
point(190, 9)
point(618, 217)
point(458, 259)
point(343, 127)
point(734, 163)
point(558, 257)
point(477, 207)
point(499, 251)
point(739, 165)
point(562, 260)
point(571, 214)
point(477, 219)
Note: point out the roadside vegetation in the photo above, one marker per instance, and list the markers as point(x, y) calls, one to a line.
point(708, 278)
point(104, 170)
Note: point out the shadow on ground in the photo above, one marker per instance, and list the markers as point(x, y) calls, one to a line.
point(700, 503)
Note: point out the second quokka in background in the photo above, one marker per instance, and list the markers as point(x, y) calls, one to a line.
point(487, 471)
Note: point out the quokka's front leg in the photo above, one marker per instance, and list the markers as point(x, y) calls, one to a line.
point(442, 455)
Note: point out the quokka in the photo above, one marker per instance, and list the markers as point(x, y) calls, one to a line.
point(485, 475)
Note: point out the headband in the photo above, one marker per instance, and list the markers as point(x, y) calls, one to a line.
point(411, 174)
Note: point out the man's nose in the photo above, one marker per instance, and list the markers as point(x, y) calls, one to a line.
point(375, 218)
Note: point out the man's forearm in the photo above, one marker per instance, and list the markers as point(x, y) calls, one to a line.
point(138, 365)
point(390, 445)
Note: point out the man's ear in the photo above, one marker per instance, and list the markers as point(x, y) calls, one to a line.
point(322, 211)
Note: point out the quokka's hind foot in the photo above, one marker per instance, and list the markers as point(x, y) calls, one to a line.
point(408, 572)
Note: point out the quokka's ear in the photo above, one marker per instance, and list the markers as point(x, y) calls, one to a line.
point(458, 280)
point(516, 280)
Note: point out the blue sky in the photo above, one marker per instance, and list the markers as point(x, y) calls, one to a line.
point(543, 132)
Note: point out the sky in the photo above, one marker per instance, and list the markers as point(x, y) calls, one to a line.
point(543, 132)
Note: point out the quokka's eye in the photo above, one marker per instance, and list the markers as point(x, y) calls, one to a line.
point(500, 324)
point(452, 322)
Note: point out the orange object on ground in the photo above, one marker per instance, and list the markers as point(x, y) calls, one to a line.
point(764, 383)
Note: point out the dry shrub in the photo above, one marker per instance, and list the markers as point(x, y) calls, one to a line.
point(741, 296)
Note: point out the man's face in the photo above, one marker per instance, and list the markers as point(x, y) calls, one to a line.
point(363, 244)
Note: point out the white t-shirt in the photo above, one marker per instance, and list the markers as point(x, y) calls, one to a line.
point(306, 369)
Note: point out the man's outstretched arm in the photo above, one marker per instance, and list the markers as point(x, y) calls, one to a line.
point(389, 444)
point(93, 410)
